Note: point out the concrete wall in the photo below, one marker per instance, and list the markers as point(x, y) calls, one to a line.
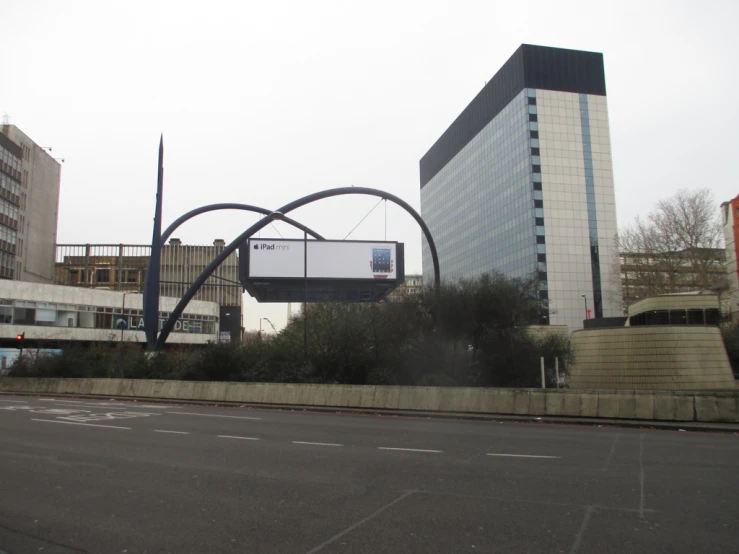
point(702, 406)
point(683, 357)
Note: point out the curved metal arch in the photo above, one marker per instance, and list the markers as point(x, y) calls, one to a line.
point(228, 250)
point(228, 206)
point(152, 322)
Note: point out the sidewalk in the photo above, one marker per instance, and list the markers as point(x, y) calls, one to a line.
point(695, 426)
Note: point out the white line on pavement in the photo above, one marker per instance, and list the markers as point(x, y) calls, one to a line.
point(234, 437)
point(409, 449)
point(173, 432)
point(57, 400)
point(14, 401)
point(213, 415)
point(524, 456)
point(114, 404)
point(83, 424)
point(318, 443)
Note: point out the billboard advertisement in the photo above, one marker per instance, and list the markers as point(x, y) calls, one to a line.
point(285, 259)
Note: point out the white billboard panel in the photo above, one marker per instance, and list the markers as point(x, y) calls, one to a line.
point(284, 259)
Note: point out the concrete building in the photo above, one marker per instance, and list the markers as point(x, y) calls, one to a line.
point(51, 315)
point(730, 220)
point(522, 183)
point(412, 286)
point(122, 267)
point(644, 275)
point(670, 342)
point(29, 200)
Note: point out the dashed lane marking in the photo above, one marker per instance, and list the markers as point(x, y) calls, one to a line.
point(173, 432)
point(410, 449)
point(318, 443)
point(235, 437)
point(213, 415)
point(525, 456)
point(82, 424)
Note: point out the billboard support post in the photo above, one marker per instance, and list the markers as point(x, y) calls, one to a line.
point(305, 298)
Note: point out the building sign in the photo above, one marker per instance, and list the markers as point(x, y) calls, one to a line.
point(136, 323)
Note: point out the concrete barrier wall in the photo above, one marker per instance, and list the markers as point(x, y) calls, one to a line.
point(705, 406)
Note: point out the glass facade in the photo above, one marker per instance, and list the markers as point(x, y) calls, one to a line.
point(481, 206)
point(522, 183)
point(587, 154)
point(10, 185)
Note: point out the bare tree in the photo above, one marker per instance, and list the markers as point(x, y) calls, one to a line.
point(677, 248)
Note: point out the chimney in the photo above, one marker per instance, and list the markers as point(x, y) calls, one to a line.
point(175, 242)
point(219, 242)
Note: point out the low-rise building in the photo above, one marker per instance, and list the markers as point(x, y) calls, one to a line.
point(670, 342)
point(122, 267)
point(413, 285)
point(47, 315)
point(645, 275)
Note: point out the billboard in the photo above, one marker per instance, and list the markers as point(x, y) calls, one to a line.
point(284, 259)
point(274, 270)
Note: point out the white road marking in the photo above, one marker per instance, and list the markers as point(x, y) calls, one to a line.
point(234, 437)
point(524, 456)
point(121, 405)
point(173, 432)
point(409, 449)
point(318, 443)
point(588, 512)
point(360, 522)
point(213, 415)
point(83, 424)
point(14, 401)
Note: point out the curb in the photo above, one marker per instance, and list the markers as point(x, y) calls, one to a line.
point(704, 427)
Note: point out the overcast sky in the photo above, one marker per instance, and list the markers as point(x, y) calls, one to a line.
point(263, 102)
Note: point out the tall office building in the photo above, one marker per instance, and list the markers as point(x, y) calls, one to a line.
point(29, 202)
point(522, 183)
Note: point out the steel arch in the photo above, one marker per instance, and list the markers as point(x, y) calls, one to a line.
point(151, 323)
point(228, 250)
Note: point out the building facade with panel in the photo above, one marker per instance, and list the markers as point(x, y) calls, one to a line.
point(122, 267)
point(730, 221)
point(29, 207)
point(521, 183)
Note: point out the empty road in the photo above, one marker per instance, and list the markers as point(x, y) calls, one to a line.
point(125, 477)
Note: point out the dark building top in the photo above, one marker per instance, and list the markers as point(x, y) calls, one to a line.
point(538, 67)
point(10, 146)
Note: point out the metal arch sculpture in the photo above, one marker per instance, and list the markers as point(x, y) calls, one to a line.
point(228, 250)
point(151, 322)
point(228, 206)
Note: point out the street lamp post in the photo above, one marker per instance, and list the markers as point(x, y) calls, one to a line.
point(270, 324)
point(305, 298)
point(587, 314)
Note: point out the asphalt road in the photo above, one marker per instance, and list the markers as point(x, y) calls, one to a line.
point(124, 477)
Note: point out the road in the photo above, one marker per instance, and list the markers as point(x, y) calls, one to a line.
point(126, 477)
